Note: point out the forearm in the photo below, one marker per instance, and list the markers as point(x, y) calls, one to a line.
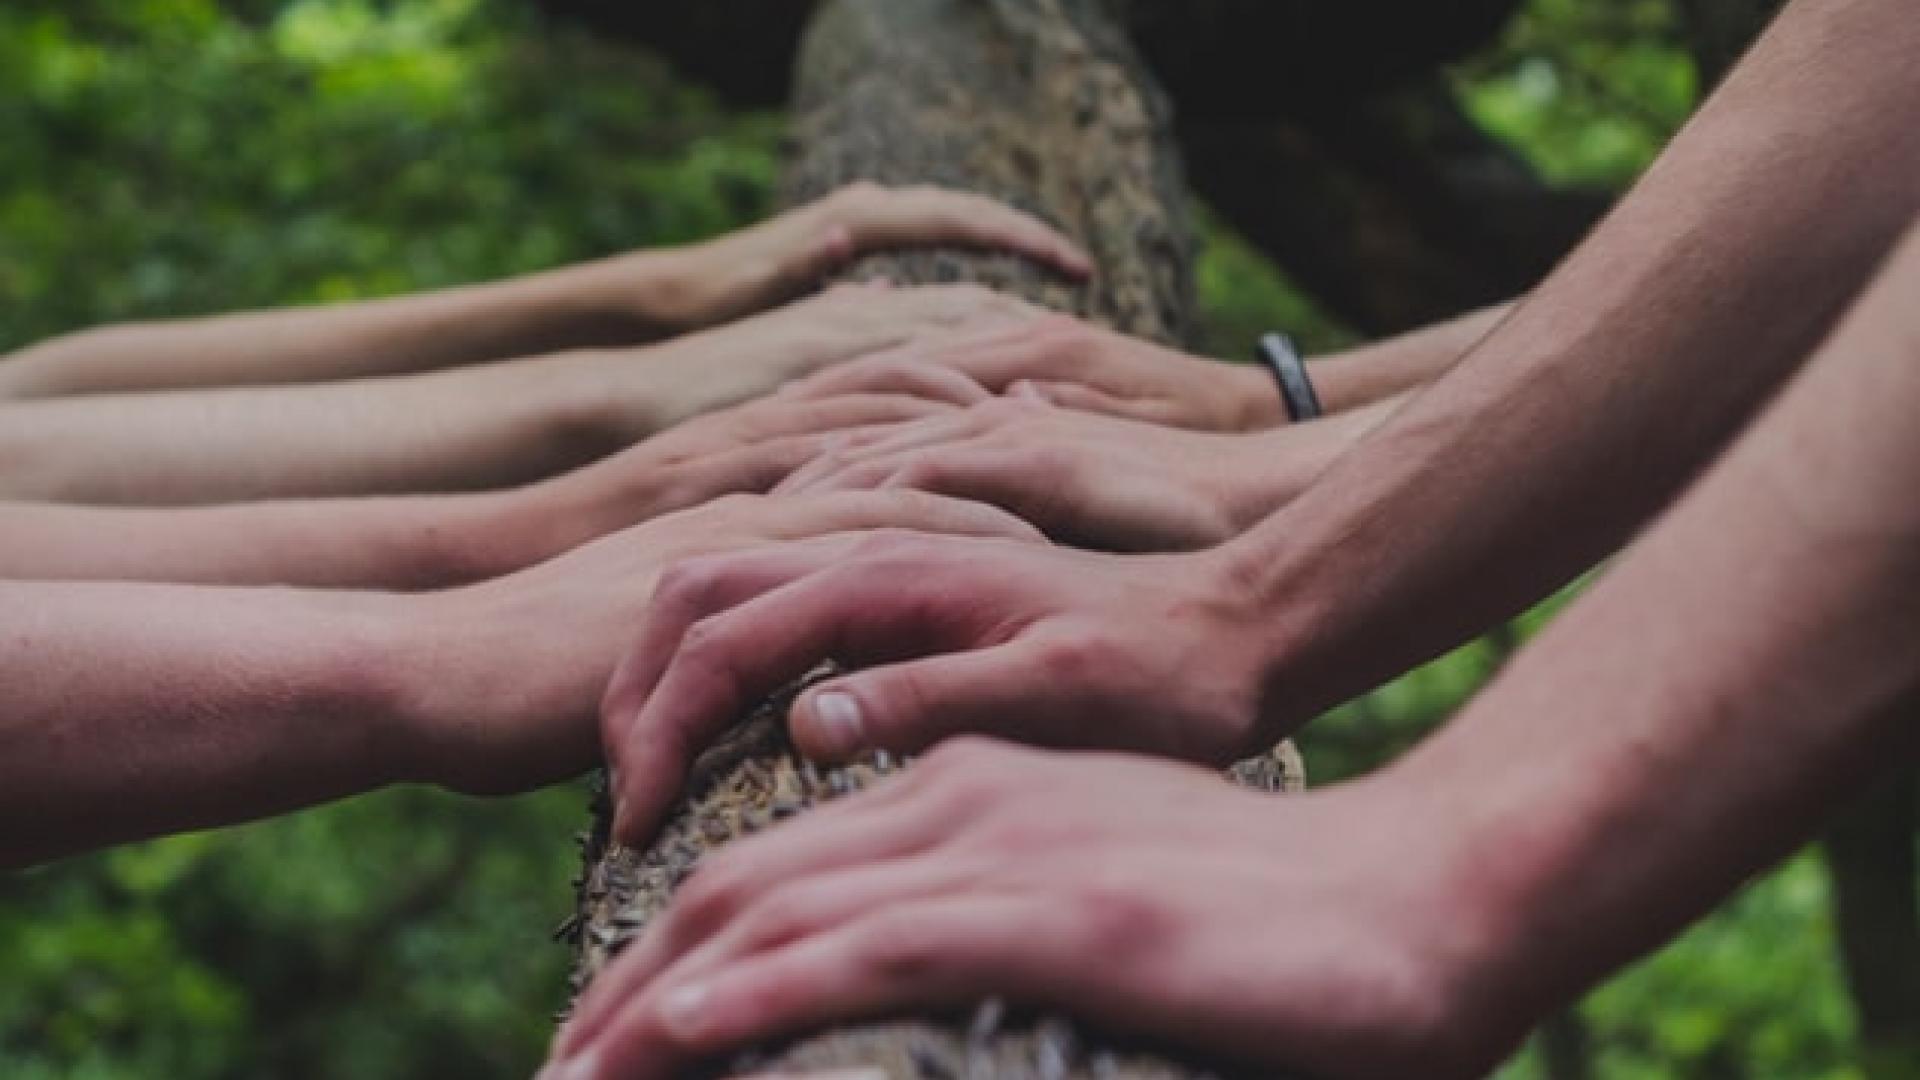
point(1617, 379)
point(623, 300)
point(136, 710)
point(1269, 469)
point(474, 428)
point(1384, 369)
point(1711, 699)
point(398, 542)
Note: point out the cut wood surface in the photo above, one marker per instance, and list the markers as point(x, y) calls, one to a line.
point(1041, 103)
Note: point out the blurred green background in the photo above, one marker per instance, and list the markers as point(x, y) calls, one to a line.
point(167, 157)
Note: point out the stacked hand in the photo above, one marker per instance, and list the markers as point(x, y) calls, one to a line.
point(1077, 365)
point(1329, 932)
point(1163, 653)
point(1090, 480)
point(768, 264)
point(483, 726)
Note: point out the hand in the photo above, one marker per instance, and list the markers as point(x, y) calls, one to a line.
point(741, 361)
point(768, 264)
point(1158, 653)
point(1073, 364)
point(744, 449)
point(1324, 932)
point(1089, 480)
point(502, 679)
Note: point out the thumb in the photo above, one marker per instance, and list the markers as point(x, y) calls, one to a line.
point(907, 707)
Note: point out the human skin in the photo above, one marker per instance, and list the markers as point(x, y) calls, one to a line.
point(474, 428)
point(1073, 364)
point(1563, 432)
point(1096, 481)
point(1691, 719)
point(624, 300)
point(412, 542)
point(138, 709)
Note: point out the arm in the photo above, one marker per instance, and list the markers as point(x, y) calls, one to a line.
point(1066, 362)
point(1379, 370)
point(1617, 379)
point(138, 709)
point(1563, 432)
point(488, 426)
point(1092, 480)
point(433, 541)
point(622, 300)
point(1686, 723)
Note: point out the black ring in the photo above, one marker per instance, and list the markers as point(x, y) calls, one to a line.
point(1277, 351)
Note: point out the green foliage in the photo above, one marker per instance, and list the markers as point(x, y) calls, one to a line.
point(169, 157)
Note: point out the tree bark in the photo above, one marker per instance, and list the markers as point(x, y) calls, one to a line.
point(1041, 103)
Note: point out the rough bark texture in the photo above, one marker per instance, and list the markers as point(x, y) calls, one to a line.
point(1041, 103)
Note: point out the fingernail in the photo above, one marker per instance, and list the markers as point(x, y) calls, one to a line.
point(836, 720)
point(683, 1010)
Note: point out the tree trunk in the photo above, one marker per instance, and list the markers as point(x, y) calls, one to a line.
point(1043, 104)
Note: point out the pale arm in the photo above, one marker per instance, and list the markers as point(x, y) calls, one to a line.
point(137, 709)
point(482, 427)
point(1618, 378)
point(134, 710)
point(1378, 370)
point(617, 301)
point(430, 541)
point(623, 300)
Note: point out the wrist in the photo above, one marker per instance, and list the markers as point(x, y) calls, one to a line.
point(1452, 917)
point(1532, 926)
point(484, 701)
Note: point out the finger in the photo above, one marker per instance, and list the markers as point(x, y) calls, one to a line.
point(823, 477)
point(786, 912)
point(686, 593)
point(925, 216)
point(758, 626)
point(751, 469)
point(1010, 479)
point(877, 442)
point(914, 956)
point(756, 895)
point(918, 511)
point(892, 374)
point(842, 411)
point(868, 610)
point(1071, 395)
point(910, 705)
point(901, 440)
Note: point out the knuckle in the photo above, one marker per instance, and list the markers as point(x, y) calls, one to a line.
point(922, 474)
point(896, 949)
point(1120, 920)
point(716, 889)
point(1073, 657)
point(964, 764)
point(704, 643)
point(685, 585)
point(1002, 412)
